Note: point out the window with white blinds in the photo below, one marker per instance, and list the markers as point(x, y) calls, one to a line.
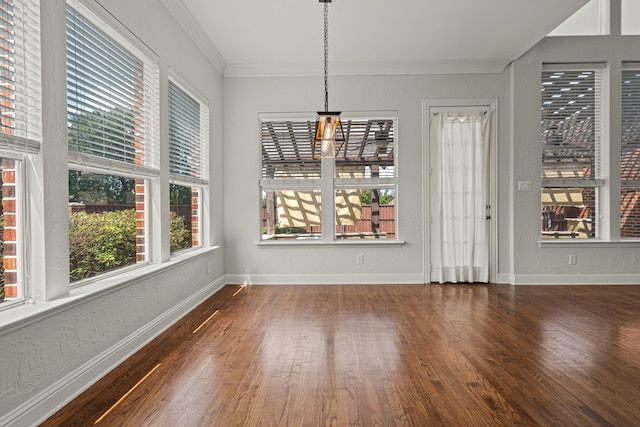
point(188, 137)
point(112, 98)
point(358, 184)
point(287, 148)
point(572, 123)
point(20, 80)
point(630, 146)
point(573, 139)
point(630, 152)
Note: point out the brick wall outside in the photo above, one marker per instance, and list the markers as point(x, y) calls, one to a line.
point(140, 221)
point(630, 212)
point(195, 217)
point(9, 235)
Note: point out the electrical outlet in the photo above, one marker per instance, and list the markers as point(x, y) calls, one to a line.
point(208, 268)
point(359, 259)
point(573, 259)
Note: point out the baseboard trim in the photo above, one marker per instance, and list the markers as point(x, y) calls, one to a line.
point(37, 409)
point(325, 279)
point(577, 279)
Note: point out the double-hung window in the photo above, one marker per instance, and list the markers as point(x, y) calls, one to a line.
point(351, 196)
point(630, 152)
point(20, 135)
point(188, 165)
point(112, 113)
point(573, 138)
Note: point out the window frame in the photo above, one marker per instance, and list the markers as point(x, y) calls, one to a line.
point(328, 184)
point(201, 182)
point(627, 184)
point(601, 147)
point(147, 173)
point(23, 140)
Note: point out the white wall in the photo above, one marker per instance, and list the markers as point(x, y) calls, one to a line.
point(246, 97)
point(51, 350)
point(596, 262)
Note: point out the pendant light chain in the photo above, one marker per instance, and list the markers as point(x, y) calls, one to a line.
point(326, 57)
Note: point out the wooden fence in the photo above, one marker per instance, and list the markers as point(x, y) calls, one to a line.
point(386, 217)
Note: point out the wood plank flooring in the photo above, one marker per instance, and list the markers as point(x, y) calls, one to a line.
point(393, 355)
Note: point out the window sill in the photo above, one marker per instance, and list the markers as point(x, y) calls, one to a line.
point(15, 318)
point(319, 242)
point(588, 243)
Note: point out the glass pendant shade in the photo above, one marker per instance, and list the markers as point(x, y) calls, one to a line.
point(326, 127)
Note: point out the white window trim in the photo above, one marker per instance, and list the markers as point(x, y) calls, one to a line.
point(100, 18)
point(602, 147)
point(202, 184)
point(205, 132)
point(328, 186)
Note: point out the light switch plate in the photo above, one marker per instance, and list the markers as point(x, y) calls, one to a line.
point(524, 185)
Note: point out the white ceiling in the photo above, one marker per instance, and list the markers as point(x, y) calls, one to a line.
point(284, 37)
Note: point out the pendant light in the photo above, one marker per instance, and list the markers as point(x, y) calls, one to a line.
point(327, 122)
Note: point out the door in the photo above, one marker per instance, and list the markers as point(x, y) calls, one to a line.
point(459, 208)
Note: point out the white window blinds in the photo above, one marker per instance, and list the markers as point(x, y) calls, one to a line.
point(20, 91)
point(287, 148)
point(630, 147)
point(188, 137)
point(112, 99)
point(572, 123)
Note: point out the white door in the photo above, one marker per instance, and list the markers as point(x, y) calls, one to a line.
point(459, 142)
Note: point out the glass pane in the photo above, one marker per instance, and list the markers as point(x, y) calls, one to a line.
point(287, 150)
point(630, 155)
point(291, 214)
point(569, 124)
point(590, 20)
point(630, 25)
point(365, 214)
point(185, 144)
point(105, 95)
point(568, 213)
point(184, 217)
point(630, 212)
point(10, 288)
point(367, 150)
point(106, 223)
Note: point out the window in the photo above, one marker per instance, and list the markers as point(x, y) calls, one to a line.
point(358, 187)
point(572, 143)
point(20, 134)
point(188, 166)
point(630, 152)
point(590, 20)
point(630, 9)
point(112, 111)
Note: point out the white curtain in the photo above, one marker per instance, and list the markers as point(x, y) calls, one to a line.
point(462, 140)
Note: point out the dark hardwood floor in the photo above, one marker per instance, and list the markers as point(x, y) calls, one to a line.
point(401, 355)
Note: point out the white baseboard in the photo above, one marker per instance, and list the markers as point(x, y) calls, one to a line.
point(325, 279)
point(505, 279)
point(378, 279)
point(37, 409)
point(577, 279)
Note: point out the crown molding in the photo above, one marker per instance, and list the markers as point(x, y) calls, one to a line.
point(189, 24)
point(368, 68)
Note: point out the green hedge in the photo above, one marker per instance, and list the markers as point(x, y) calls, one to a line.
point(100, 242)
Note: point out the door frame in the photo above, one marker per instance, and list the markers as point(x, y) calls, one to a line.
point(428, 106)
